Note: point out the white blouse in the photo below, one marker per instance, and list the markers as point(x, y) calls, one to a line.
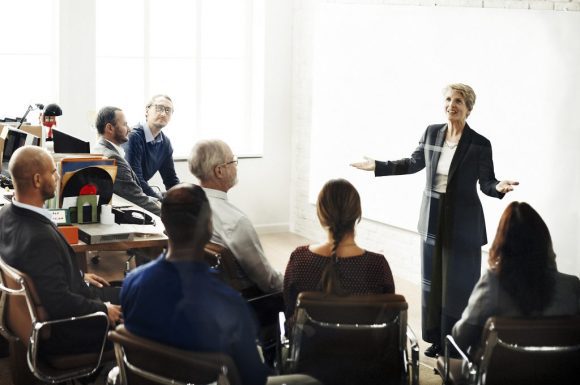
point(447, 152)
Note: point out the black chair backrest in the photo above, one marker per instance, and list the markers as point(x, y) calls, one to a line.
point(168, 362)
point(228, 268)
point(350, 340)
point(530, 351)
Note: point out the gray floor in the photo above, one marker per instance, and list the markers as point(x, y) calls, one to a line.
point(278, 248)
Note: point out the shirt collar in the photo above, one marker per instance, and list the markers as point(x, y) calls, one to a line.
point(215, 193)
point(149, 135)
point(200, 266)
point(119, 149)
point(39, 210)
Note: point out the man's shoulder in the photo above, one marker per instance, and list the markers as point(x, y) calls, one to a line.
point(230, 216)
point(23, 217)
point(106, 149)
point(137, 132)
point(152, 268)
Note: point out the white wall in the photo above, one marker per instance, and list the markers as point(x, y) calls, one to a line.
point(263, 191)
point(401, 247)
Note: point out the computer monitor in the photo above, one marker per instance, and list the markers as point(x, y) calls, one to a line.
point(14, 139)
point(65, 143)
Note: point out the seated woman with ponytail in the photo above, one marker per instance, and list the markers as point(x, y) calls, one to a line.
point(522, 279)
point(337, 266)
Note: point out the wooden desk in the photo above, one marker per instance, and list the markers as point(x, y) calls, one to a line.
point(139, 242)
point(154, 238)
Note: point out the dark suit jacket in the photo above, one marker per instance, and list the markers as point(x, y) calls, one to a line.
point(472, 163)
point(126, 183)
point(32, 244)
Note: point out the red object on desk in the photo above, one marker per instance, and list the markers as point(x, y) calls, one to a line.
point(71, 234)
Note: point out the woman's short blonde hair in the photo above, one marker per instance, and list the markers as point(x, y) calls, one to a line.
point(465, 91)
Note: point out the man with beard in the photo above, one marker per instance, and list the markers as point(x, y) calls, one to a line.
point(149, 150)
point(31, 243)
point(113, 130)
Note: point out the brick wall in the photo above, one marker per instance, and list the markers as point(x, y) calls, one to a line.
point(401, 247)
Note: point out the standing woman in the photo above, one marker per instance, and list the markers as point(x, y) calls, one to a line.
point(451, 222)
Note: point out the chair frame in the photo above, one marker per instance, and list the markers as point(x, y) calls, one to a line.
point(411, 364)
point(477, 374)
point(25, 288)
point(223, 260)
point(121, 333)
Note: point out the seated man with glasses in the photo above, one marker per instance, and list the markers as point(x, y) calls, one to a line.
point(214, 164)
point(149, 149)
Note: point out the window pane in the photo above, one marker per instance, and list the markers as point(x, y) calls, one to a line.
point(33, 86)
point(176, 78)
point(172, 31)
point(120, 84)
point(224, 28)
point(120, 28)
point(27, 26)
point(224, 103)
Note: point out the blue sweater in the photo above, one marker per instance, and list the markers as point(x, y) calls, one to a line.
point(146, 158)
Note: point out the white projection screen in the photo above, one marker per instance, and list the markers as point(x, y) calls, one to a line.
point(378, 77)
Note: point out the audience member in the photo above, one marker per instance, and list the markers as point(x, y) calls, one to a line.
point(522, 279)
point(178, 301)
point(31, 243)
point(149, 149)
point(113, 130)
point(339, 265)
point(214, 164)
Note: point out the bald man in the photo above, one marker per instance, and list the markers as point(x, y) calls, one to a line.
point(31, 243)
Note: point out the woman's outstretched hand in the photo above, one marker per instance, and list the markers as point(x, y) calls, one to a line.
point(505, 186)
point(367, 165)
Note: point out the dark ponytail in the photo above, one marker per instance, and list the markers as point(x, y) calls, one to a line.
point(339, 209)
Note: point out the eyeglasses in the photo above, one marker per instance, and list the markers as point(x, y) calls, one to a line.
point(233, 161)
point(159, 109)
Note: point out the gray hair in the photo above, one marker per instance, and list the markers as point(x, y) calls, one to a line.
point(465, 91)
point(155, 97)
point(205, 155)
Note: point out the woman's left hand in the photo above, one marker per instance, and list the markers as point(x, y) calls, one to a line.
point(96, 280)
point(506, 186)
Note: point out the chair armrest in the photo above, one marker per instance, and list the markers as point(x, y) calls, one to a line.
point(414, 355)
point(282, 325)
point(464, 358)
point(34, 348)
point(39, 325)
point(414, 344)
point(282, 345)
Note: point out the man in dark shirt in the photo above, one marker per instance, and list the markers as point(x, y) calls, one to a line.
point(149, 150)
point(177, 300)
point(31, 243)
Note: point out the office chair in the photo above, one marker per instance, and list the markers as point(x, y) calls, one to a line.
point(24, 322)
point(266, 306)
point(351, 340)
point(518, 351)
point(229, 269)
point(142, 361)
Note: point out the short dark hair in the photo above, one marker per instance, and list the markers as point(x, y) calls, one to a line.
point(186, 214)
point(106, 115)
